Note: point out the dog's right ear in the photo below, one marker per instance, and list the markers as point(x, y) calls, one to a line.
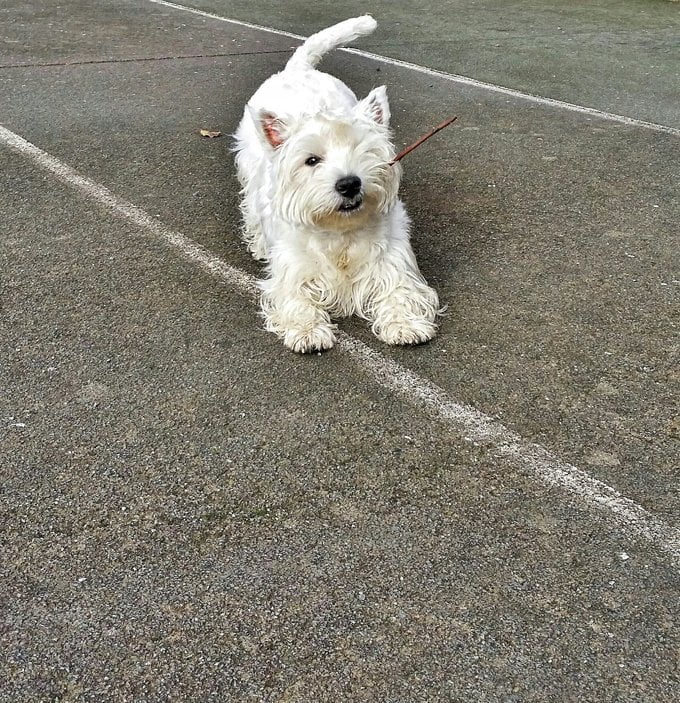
point(272, 129)
point(375, 106)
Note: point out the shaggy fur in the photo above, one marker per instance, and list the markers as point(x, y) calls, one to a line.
point(319, 204)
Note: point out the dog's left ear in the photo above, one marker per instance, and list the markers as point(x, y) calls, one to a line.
point(375, 106)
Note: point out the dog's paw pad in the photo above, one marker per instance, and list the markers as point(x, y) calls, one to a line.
point(308, 341)
point(407, 332)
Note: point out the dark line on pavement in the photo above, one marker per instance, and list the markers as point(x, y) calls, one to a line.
point(142, 58)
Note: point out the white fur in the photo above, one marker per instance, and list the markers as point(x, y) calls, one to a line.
point(323, 261)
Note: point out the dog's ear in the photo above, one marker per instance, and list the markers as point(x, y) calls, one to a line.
point(270, 127)
point(375, 106)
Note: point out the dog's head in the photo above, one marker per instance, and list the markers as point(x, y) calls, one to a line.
point(332, 171)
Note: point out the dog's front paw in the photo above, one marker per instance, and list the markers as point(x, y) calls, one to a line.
point(303, 341)
point(413, 331)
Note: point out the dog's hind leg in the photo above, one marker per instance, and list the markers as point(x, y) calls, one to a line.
point(248, 158)
point(252, 232)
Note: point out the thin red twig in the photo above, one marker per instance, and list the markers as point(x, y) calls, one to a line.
point(425, 137)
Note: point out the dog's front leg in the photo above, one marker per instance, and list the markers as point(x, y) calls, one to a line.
point(291, 311)
point(404, 307)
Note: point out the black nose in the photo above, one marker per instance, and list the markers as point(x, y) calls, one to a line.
point(348, 186)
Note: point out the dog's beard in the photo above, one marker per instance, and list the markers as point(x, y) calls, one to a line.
point(332, 212)
point(344, 218)
point(316, 204)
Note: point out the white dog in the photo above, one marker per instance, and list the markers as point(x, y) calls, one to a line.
point(319, 203)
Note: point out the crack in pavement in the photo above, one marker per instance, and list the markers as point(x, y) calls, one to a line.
point(86, 62)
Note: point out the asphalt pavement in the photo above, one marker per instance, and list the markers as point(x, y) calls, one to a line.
point(189, 512)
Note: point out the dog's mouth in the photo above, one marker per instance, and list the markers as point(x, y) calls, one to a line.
point(351, 205)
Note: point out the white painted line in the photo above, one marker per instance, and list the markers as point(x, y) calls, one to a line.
point(502, 442)
point(220, 18)
point(452, 77)
point(513, 449)
point(189, 249)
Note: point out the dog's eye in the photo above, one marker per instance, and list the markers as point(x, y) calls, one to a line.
point(313, 160)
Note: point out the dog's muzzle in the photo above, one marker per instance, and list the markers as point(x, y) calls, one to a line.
point(351, 205)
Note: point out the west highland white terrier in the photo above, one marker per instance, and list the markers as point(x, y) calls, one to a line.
point(319, 204)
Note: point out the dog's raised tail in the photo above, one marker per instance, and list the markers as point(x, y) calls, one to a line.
point(310, 53)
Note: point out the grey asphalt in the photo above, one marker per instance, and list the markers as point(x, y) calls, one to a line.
point(191, 513)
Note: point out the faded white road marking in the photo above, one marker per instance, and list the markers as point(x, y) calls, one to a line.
point(189, 249)
point(532, 459)
point(455, 78)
